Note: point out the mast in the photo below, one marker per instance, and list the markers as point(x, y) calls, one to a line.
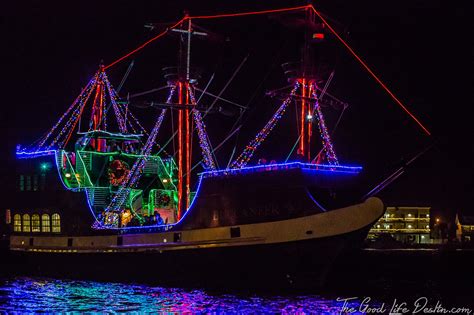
point(184, 83)
point(306, 79)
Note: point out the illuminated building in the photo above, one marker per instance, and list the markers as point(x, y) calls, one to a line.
point(464, 228)
point(410, 225)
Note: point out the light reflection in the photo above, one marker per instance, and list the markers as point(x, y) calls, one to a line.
point(37, 294)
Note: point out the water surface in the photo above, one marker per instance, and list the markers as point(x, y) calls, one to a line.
point(27, 294)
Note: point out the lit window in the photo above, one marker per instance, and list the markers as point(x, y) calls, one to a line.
point(17, 223)
point(45, 223)
point(56, 223)
point(26, 223)
point(35, 223)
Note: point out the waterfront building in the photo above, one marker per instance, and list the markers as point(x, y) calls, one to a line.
point(409, 225)
point(464, 228)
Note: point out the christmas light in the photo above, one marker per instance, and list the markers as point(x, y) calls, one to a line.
point(250, 149)
point(204, 142)
point(326, 139)
point(283, 166)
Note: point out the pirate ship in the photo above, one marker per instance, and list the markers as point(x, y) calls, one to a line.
point(112, 191)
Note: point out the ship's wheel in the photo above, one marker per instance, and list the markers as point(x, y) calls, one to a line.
point(118, 172)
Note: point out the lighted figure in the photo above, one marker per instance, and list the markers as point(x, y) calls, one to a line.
point(118, 172)
point(126, 217)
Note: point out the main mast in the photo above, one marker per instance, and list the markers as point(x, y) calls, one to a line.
point(183, 82)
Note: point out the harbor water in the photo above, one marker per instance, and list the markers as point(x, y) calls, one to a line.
point(372, 281)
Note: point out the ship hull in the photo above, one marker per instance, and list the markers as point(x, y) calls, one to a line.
point(276, 254)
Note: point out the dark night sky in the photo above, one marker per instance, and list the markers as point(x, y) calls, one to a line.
point(421, 49)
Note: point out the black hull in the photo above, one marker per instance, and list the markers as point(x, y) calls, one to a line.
point(284, 265)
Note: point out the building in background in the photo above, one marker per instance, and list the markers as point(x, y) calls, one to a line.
point(409, 225)
point(464, 228)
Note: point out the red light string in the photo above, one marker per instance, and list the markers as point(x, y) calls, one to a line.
point(144, 44)
point(371, 72)
point(359, 59)
point(200, 17)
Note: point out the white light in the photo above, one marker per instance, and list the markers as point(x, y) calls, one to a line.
point(165, 180)
point(409, 226)
point(427, 215)
point(378, 225)
point(309, 117)
point(427, 226)
point(422, 236)
point(409, 214)
point(165, 240)
point(67, 175)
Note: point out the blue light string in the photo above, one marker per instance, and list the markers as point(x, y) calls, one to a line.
point(282, 166)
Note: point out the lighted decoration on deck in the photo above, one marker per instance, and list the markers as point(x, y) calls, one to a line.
point(326, 139)
point(204, 142)
point(135, 173)
point(118, 171)
point(250, 149)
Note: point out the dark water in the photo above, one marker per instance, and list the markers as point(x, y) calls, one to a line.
point(386, 277)
point(22, 294)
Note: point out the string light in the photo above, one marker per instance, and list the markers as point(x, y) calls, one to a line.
point(284, 166)
point(135, 173)
point(250, 149)
point(76, 102)
point(202, 134)
point(326, 139)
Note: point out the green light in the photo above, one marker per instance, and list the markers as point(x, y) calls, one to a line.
point(44, 166)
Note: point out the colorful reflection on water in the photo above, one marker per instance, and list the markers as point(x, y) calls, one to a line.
point(24, 294)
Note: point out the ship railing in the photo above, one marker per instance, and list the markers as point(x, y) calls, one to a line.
point(67, 171)
point(85, 174)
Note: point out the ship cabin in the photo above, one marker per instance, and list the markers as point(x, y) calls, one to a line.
point(56, 187)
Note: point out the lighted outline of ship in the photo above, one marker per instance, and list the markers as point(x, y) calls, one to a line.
point(307, 231)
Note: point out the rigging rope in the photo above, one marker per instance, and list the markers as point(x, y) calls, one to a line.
point(250, 149)
point(309, 6)
point(204, 141)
